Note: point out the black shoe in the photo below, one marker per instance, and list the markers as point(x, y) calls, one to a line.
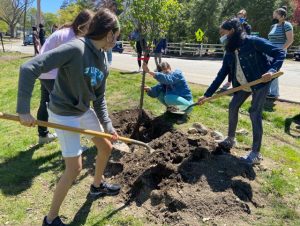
point(272, 97)
point(56, 222)
point(105, 189)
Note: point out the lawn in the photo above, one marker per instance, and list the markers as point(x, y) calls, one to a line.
point(29, 172)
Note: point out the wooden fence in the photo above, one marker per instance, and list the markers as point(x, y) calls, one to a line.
point(195, 49)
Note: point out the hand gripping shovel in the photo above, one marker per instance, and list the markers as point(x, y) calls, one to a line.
point(78, 130)
point(227, 92)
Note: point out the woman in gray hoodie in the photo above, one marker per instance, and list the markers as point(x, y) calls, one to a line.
point(81, 78)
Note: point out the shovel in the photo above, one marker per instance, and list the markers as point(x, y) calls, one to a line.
point(78, 130)
point(227, 92)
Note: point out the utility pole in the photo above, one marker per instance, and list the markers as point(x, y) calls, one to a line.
point(38, 19)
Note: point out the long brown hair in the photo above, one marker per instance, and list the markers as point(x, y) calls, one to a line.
point(81, 23)
point(103, 22)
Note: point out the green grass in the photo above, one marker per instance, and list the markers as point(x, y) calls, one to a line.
point(28, 173)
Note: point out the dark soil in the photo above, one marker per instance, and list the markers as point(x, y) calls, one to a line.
point(182, 182)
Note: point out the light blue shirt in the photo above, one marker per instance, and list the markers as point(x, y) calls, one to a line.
point(277, 34)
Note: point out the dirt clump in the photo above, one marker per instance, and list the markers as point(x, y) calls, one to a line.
point(182, 182)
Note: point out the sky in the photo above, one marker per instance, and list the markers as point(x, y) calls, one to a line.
point(49, 6)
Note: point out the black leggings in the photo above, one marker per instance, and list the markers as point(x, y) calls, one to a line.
point(42, 114)
point(139, 55)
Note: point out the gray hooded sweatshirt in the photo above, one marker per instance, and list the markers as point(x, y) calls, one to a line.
point(82, 73)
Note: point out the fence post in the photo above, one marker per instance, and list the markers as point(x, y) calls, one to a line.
point(181, 47)
point(201, 49)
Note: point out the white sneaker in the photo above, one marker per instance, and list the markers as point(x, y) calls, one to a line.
point(47, 139)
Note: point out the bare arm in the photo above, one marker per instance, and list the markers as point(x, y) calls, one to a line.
point(290, 39)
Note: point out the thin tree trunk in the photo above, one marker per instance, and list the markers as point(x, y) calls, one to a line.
point(24, 21)
point(38, 16)
point(2, 42)
point(12, 30)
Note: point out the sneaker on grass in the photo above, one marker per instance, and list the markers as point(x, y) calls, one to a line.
point(56, 222)
point(105, 189)
point(252, 158)
point(48, 138)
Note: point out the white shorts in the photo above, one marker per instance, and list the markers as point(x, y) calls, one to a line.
point(70, 141)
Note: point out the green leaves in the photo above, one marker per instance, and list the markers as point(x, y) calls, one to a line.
point(153, 18)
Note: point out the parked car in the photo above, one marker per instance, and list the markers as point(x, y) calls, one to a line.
point(297, 55)
point(28, 40)
point(118, 47)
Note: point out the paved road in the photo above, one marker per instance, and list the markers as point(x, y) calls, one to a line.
point(198, 71)
point(204, 72)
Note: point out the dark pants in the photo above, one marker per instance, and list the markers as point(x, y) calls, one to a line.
point(257, 104)
point(140, 56)
point(42, 114)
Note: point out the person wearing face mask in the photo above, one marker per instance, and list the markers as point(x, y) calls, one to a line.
point(282, 36)
point(81, 78)
point(172, 89)
point(245, 61)
point(242, 16)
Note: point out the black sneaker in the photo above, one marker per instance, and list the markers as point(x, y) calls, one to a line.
point(272, 97)
point(56, 222)
point(227, 144)
point(105, 189)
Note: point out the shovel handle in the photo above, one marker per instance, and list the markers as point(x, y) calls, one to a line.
point(239, 88)
point(76, 130)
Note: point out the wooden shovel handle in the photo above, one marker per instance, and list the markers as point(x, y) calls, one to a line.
point(239, 88)
point(74, 129)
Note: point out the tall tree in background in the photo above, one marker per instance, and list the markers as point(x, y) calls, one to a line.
point(206, 15)
point(49, 20)
point(152, 19)
point(38, 15)
point(11, 12)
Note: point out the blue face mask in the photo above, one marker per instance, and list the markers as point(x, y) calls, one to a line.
point(224, 39)
point(242, 20)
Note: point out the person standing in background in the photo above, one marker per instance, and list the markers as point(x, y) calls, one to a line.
point(281, 35)
point(54, 28)
point(42, 34)
point(36, 41)
point(242, 15)
point(160, 46)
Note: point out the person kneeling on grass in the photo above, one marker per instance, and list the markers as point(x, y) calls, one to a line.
point(81, 78)
point(172, 90)
point(245, 61)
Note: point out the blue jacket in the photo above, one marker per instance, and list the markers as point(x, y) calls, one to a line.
point(161, 45)
point(253, 60)
point(173, 83)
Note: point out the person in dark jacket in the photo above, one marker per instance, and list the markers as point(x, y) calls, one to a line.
point(242, 16)
point(245, 61)
point(160, 47)
point(42, 34)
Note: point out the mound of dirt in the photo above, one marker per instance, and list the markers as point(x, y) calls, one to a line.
point(182, 182)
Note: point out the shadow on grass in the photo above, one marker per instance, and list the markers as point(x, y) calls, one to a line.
point(292, 126)
point(82, 214)
point(129, 73)
point(269, 105)
point(17, 173)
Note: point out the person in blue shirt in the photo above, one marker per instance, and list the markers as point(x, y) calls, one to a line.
point(245, 61)
point(281, 35)
point(160, 46)
point(172, 89)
